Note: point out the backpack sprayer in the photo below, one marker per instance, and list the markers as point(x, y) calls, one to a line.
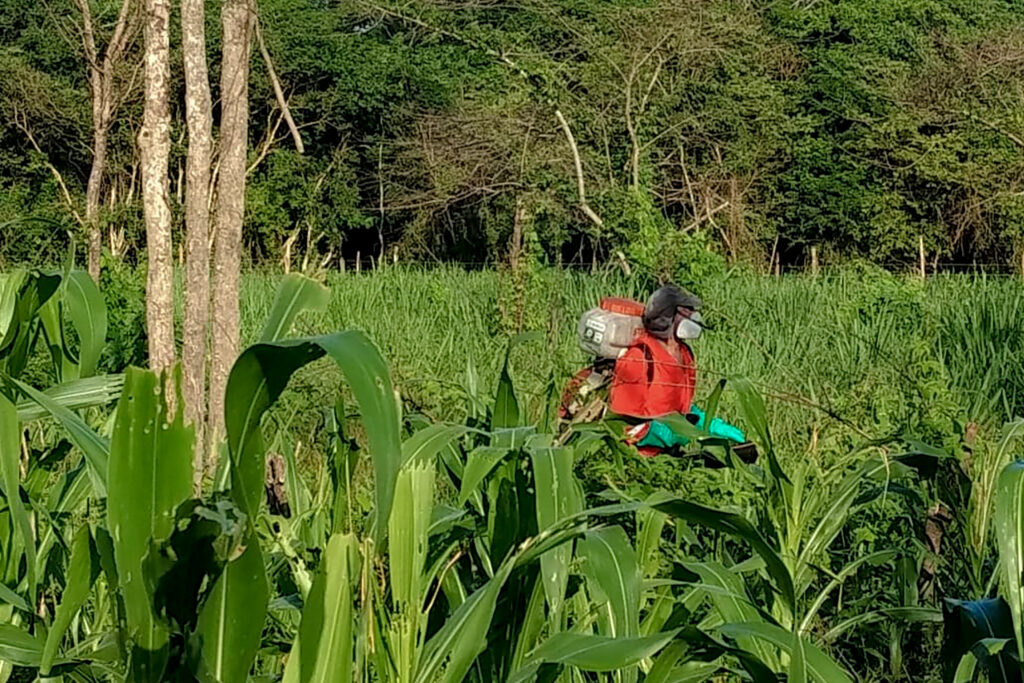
point(604, 333)
point(607, 331)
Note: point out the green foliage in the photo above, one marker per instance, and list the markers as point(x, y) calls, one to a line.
point(851, 125)
point(662, 250)
point(474, 547)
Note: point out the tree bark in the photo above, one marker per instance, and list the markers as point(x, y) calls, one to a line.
point(199, 119)
point(154, 148)
point(102, 93)
point(236, 22)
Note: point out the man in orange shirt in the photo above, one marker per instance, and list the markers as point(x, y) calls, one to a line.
point(657, 375)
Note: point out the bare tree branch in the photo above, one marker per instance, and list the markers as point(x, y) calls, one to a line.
point(268, 141)
point(276, 84)
point(577, 162)
point(21, 122)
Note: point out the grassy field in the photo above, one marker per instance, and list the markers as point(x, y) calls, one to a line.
point(848, 355)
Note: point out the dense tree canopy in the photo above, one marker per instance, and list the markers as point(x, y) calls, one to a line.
point(434, 127)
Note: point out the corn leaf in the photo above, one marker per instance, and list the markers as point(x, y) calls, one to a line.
point(88, 314)
point(506, 408)
point(558, 496)
point(983, 652)
point(448, 655)
point(260, 375)
point(729, 596)
point(327, 618)
point(450, 652)
point(818, 666)
point(10, 285)
point(480, 462)
point(965, 670)
point(34, 290)
point(51, 321)
point(599, 653)
point(753, 410)
point(408, 532)
point(74, 395)
point(711, 405)
point(82, 571)
point(670, 666)
point(231, 620)
point(427, 443)
point(740, 528)
point(93, 446)
point(19, 647)
point(613, 576)
point(10, 477)
point(798, 662)
point(150, 476)
point(295, 294)
point(650, 524)
point(9, 597)
point(1009, 519)
point(532, 626)
point(408, 529)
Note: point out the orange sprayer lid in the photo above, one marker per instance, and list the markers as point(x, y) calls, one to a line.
point(617, 304)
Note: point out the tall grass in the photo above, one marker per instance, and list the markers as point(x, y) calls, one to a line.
point(843, 356)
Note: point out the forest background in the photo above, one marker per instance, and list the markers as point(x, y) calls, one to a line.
point(565, 130)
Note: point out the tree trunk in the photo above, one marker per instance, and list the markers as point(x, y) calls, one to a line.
point(199, 118)
point(236, 24)
point(92, 196)
point(154, 148)
point(102, 93)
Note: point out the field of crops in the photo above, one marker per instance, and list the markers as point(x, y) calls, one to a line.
point(422, 520)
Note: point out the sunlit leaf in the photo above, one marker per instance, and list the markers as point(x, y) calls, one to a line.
point(613, 576)
point(323, 649)
point(88, 314)
point(600, 653)
point(150, 476)
point(295, 294)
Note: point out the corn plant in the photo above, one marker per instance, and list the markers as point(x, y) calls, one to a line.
point(986, 636)
point(154, 585)
point(505, 541)
point(418, 552)
point(768, 607)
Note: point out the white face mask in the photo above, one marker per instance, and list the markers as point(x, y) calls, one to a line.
point(690, 328)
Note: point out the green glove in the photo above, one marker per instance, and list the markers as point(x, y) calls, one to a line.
point(718, 426)
point(659, 435)
point(725, 430)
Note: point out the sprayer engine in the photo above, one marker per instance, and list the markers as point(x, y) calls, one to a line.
point(608, 330)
